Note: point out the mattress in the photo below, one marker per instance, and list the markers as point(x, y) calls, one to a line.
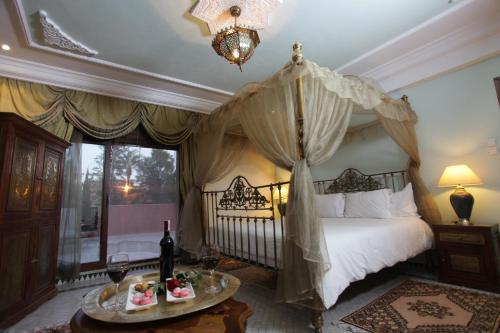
point(359, 246)
point(356, 246)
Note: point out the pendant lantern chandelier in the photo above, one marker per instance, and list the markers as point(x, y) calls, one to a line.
point(236, 44)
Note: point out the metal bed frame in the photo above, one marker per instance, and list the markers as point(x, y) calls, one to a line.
point(243, 207)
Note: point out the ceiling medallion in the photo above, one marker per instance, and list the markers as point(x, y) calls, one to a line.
point(235, 29)
point(54, 36)
point(254, 13)
point(236, 44)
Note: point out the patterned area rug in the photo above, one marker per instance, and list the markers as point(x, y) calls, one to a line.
point(419, 307)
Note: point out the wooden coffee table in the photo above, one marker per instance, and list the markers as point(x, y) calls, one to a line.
point(229, 316)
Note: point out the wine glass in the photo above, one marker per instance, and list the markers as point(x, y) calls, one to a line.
point(210, 256)
point(117, 268)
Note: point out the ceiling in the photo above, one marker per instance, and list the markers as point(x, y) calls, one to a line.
point(161, 36)
point(158, 45)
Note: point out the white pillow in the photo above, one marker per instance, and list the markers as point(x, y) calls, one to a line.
point(330, 205)
point(371, 204)
point(402, 202)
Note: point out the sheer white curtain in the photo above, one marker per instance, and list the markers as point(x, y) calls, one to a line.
point(69, 251)
point(216, 154)
point(268, 119)
point(267, 113)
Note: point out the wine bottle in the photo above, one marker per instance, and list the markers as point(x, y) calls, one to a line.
point(167, 254)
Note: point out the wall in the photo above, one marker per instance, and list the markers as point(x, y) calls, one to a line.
point(140, 218)
point(257, 169)
point(457, 113)
point(372, 152)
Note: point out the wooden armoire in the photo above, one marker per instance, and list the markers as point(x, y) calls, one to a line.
point(31, 174)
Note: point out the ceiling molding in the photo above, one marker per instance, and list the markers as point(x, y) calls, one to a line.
point(45, 74)
point(53, 35)
point(31, 42)
point(466, 33)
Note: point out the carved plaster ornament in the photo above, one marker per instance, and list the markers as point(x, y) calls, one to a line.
point(55, 37)
point(254, 13)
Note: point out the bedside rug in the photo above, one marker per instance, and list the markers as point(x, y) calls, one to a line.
point(418, 307)
point(230, 264)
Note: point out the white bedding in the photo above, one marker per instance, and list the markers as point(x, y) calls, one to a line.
point(239, 246)
point(356, 247)
point(359, 246)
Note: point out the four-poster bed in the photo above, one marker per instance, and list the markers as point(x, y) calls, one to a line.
point(297, 119)
point(245, 220)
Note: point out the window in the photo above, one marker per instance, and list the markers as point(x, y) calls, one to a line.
point(143, 194)
point(91, 209)
point(129, 187)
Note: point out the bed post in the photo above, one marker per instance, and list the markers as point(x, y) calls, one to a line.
point(317, 321)
point(203, 231)
point(297, 58)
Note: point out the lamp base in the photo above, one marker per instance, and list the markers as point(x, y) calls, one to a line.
point(462, 202)
point(464, 222)
point(282, 208)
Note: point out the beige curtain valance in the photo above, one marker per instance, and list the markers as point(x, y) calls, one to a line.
point(60, 110)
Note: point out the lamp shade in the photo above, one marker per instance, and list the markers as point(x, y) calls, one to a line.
point(236, 44)
point(284, 193)
point(458, 175)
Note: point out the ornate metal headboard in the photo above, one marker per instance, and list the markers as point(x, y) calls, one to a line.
point(241, 195)
point(353, 180)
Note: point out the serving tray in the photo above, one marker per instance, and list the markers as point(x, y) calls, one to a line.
point(94, 303)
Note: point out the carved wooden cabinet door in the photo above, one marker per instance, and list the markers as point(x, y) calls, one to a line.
point(14, 252)
point(43, 261)
point(49, 192)
point(22, 179)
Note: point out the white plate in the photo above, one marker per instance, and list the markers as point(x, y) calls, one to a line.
point(174, 299)
point(131, 293)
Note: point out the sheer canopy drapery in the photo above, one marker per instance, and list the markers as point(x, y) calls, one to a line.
point(216, 153)
point(267, 112)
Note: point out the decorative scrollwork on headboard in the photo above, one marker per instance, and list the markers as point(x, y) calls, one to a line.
point(353, 180)
point(242, 195)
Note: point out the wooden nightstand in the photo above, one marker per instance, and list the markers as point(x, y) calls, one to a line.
point(468, 255)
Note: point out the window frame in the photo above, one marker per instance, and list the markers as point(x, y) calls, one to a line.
point(497, 87)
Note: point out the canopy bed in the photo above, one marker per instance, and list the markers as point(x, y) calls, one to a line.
point(297, 119)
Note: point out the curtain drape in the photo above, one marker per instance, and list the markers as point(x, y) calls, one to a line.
point(403, 133)
point(187, 162)
point(60, 110)
point(68, 259)
point(268, 119)
point(266, 112)
point(215, 153)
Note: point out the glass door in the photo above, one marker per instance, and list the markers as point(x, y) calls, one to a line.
point(93, 211)
point(143, 194)
point(127, 191)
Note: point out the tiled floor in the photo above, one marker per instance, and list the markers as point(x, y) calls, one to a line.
point(269, 317)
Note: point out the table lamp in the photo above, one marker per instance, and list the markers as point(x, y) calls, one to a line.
point(461, 200)
point(284, 199)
